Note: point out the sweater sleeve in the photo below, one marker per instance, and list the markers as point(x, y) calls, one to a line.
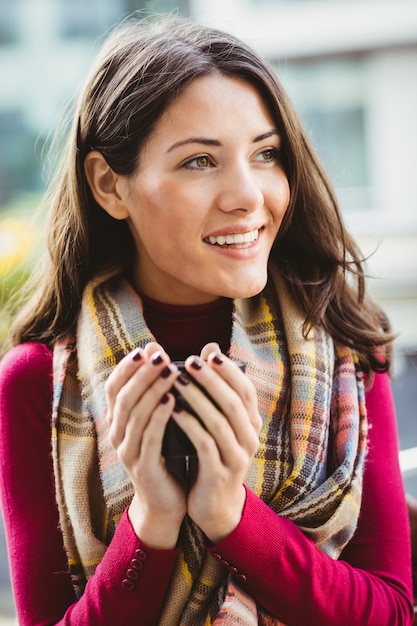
point(370, 585)
point(130, 573)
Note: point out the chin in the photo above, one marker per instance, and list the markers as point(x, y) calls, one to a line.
point(245, 291)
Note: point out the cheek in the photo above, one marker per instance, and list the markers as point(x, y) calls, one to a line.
point(161, 226)
point(168, 202)
point(278, 200)
point(285, 192)
point(150, 210)
point(175, 209)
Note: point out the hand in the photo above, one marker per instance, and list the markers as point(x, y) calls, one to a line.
point(227, 444)
point(139, 406)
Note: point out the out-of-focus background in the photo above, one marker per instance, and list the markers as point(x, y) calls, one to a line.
point(350, 66)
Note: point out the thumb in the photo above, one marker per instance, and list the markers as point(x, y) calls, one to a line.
point(208, 349)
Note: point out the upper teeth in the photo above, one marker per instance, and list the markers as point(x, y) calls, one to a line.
point(221, 240)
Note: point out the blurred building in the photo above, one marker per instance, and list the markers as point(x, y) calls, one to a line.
point(350, 66)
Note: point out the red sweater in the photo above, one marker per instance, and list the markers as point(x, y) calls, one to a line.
point(282, 569)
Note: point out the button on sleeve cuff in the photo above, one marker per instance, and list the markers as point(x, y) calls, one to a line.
point(131, 580)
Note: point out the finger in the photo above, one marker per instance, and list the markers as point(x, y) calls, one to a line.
point(233, 373)
point(232, 391)
point(141, 393)
point(142, 444)
point(216, 448)
point(125, 369)
point(152, 347)
point(232, 445)
point(120, 375)
point(207, 451)
point(209, 348)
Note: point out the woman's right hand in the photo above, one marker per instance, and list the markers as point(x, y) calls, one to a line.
point(139, 407)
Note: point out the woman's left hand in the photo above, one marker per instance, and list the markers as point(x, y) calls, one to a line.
point(227, 444)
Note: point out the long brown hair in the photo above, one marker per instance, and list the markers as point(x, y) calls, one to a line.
point(143, 66)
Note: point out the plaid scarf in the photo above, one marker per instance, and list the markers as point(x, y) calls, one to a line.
point(308, 467)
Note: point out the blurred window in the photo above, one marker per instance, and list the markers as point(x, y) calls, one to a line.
point(405, 396)
point(19, 167)
point(330, 97)
point(270, 2)
point(8, 23)
point(90, 19)
point(159, 6)
point(82, 19)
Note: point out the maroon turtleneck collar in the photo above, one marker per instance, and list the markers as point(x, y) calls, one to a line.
point(184, 329)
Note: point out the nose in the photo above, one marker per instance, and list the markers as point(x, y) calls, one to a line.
point(240, 189)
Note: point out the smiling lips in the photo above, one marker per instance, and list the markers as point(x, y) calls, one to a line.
point(239, 240)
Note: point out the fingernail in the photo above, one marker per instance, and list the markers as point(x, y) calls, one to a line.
point(196, 364)
point(183, 379)
point(218, 359)
point(165, 372)
point(137, 354)
point(165, 398)
point(178, 406)
point(157, 359)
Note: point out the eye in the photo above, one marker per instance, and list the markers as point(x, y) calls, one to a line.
point(200, 162)
point(268, 155)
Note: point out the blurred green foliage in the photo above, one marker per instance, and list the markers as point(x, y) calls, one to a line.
point(19, 232)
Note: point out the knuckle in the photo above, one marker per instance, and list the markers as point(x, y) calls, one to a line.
point(240, 461)
point(258, 423)
point(150, 439)
point(122, 403)
point(250, 395)
point(255, 445)
point(110, 387)
point(222, 429)
point(233, 406)
point(113, 438)
point(122, 455)
point(207, 446)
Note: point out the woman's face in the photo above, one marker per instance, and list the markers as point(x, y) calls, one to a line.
point(209, 196)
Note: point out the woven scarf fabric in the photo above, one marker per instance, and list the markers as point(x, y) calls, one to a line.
point(309, 464)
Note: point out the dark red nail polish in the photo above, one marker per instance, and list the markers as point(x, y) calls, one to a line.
point(183, 379)
point(157, 359)
point(196, 364)
point(218, 359)
point(165, 398)
point(137, 354)
point(165, 372)
point(178, 406)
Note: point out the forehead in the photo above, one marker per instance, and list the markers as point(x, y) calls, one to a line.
point(216, 102)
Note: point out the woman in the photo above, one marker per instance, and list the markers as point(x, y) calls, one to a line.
point(191, 221)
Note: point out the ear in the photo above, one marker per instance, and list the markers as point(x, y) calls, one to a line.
point(105, 185)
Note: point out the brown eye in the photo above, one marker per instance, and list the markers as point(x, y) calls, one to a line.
point(202, 161)
point(269, 155)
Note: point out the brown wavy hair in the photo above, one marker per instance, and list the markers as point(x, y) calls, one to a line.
point(142, 67)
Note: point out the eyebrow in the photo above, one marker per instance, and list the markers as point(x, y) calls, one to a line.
point(205, 141)
point(270, 133)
